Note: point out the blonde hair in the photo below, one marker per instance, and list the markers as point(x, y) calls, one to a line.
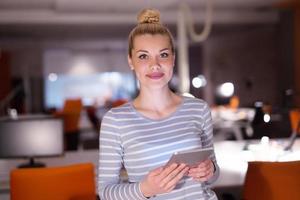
point(149, 23)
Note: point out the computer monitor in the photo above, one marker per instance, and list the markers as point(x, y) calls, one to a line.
point(31, 137)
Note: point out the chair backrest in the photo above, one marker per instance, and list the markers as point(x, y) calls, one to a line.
point(70, 114)
point(234, 102)
point(73, 182)
point(72, 106)
point(272, 181)
point(295, 120)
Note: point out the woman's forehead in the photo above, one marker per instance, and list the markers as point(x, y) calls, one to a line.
point(152, 41)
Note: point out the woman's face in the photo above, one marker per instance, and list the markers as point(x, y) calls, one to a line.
point(152, 60)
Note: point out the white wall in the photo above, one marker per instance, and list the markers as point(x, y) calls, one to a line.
point(83, 62)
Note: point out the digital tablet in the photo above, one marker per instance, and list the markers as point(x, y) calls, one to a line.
point(190, 157)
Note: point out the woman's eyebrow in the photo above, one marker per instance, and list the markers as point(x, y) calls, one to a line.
point(164, 49)
point(142, 51)
point(145, 51)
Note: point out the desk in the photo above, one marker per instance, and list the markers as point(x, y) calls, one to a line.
point(226, 120)
point(231, 158)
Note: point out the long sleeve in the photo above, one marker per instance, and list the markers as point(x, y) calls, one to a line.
point(207, 139)
point(110, 163)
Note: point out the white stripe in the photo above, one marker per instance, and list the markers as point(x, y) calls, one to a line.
point(108, 175)
point(108, 140)
point(109, 168)
point(110, 161)
point(187, 187)
point(123, 119)
point(119, 191)
point(105, 132)
point(110, 147)
point(136, 192)
point(107, 125)
point(124, 113)
point(206, 115)
point(128, 120)
point(108, 154)
point(195, 103)
point(125, 191)
point(191, 109)
point(110, 193)
point(152, 164)
point(208, 126)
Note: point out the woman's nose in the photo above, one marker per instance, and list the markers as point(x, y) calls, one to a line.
point(154, 65)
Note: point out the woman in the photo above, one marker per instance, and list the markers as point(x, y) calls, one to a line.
point(142, 135)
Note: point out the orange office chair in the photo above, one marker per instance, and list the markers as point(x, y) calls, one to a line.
point(118, 102)
point(295, 127)
point(234, 102)
point(74, 182)
point(272, 181)
point(295, 120)
point(71, 116)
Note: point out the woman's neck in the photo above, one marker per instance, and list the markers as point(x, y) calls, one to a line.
point(157, 104)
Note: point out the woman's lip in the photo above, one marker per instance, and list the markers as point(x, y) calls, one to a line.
point(155, 75)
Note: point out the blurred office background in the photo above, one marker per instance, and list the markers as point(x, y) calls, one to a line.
point(55, 51)
point(48, 43)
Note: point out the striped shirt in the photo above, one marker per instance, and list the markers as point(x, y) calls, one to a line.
point(141, 144)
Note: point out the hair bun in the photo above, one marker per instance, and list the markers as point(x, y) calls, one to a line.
point(149, 16)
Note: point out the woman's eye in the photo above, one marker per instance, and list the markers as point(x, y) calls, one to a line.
point(143, 56)
point(164, 55)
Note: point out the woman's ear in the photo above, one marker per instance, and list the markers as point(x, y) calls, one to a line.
point(130, 62)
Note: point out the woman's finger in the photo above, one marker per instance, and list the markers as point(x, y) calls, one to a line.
point(175, 179)
point(171, 175)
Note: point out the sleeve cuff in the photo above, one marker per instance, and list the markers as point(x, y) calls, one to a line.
point(139, 191)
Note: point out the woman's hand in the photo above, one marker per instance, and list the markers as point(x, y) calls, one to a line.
point(203, 171)
point(163, 180)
